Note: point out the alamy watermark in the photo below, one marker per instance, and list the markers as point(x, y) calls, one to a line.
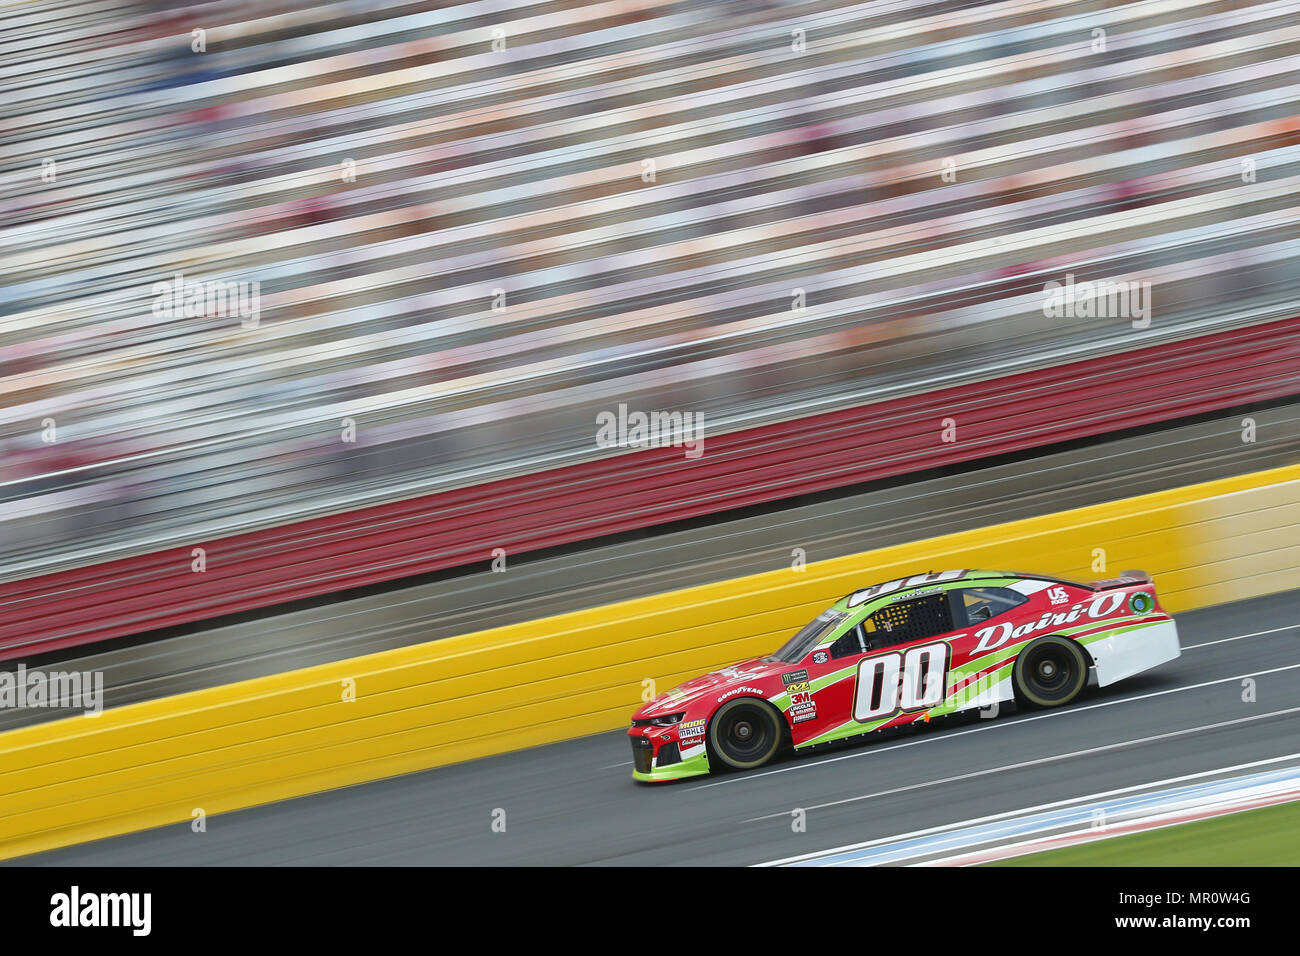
point(78, 908)
point(22, 689)
point(195, 298)
point(1103, 299)
point(634, 429)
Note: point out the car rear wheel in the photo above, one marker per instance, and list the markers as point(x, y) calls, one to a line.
point(1050, 672)
point(745, 733)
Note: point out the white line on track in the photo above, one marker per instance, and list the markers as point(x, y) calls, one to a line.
point(999, 724)
point(1036, 762)
point(1242, 637)
point(1040, 808)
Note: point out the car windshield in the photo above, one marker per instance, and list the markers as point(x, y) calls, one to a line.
point(795, 649)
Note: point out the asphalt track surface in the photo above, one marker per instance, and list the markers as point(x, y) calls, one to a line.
point(576, 803)
point(607, 572)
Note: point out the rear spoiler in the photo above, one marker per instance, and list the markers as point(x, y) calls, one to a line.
point(1125, 579)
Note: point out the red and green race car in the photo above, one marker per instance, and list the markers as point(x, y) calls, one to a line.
point(911, 649)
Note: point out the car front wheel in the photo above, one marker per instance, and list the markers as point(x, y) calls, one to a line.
point(745, 733)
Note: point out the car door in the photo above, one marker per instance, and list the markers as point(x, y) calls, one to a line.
point(820, 688)
point(904, 669)
point(975, 608)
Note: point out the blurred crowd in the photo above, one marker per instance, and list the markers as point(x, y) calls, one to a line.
point(473, 227)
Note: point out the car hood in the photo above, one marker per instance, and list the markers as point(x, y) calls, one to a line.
point(715, 682)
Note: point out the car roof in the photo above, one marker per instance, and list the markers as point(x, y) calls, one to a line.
point(963, 575)
point(949, 578)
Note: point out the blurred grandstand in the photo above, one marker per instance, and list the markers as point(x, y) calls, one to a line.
point(474, 228)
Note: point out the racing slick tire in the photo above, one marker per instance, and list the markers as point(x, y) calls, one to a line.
point(1050, 672)
point(744, 733)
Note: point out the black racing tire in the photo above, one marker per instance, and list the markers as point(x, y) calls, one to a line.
point(1050, 672)
point(744, 733)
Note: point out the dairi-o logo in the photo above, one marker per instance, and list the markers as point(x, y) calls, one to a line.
point(996, 635)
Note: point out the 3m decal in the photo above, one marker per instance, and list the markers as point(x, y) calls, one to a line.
point(802, 706)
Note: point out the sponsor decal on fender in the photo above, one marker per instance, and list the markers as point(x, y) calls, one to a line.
point(690, 730)
point(740, 690)
point(795, 677)
point(994, 636)
point(802, 705)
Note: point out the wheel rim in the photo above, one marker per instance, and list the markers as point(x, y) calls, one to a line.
point(1051, 671)
point(745, 734)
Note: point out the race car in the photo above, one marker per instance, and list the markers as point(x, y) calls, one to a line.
point(907, 650)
